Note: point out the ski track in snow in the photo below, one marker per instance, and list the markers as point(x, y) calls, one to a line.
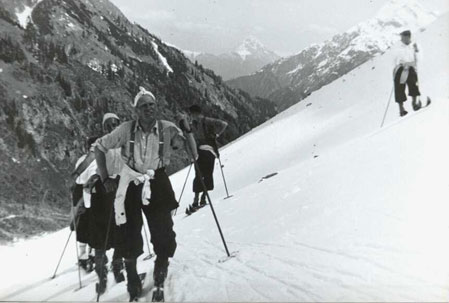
point(354, 213)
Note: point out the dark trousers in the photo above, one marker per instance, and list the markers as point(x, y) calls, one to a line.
point(101, 260)
point(206, 164)
point(129, 237)
point(102, 227)
point(411, 83)
point(81, 219)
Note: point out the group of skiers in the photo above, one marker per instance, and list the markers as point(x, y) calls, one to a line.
point(123, 175)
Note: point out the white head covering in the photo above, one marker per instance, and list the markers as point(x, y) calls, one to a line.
point(109, 116)
point(141, 93)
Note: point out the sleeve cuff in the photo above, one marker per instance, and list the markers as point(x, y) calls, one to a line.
point(100, 147)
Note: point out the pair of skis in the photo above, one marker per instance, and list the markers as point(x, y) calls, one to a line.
point(191, 209)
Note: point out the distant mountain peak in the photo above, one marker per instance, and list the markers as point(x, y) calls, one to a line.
point(250, 56)
point(251, 46)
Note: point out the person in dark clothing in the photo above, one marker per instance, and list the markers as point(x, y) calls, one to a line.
point(405, 72)
point(100, 209)
point(205, 130)
point(146, 146)
point(81, 213)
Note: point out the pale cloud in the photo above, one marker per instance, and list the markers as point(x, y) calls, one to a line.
point(155, 16)
point(321, 29)
point(198, 26)
point(218, 26)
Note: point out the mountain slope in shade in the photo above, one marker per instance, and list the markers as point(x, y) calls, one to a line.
point(63, 64)
point(247, 58)
point(355, 213)
point(289, 80)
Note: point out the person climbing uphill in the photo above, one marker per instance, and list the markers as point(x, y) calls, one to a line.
point(405, 56)
point(205, 130)
point(146, 144)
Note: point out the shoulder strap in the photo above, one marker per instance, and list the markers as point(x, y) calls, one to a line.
point(131, 160)
point(90, 157)
point(161, 143)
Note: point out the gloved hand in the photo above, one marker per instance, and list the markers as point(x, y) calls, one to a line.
point(183, 122)
point(91, 183)
point(110, 185)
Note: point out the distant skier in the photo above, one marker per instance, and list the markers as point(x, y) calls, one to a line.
point(146, 147)
point(205, 130)
point(406, 55)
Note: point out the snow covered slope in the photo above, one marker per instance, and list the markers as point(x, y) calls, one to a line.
point(355, 213)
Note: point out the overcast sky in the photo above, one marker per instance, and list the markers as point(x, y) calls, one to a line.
point(218, 26)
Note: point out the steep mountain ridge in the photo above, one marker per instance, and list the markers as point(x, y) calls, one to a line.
point(74, 61)
point(289, 80)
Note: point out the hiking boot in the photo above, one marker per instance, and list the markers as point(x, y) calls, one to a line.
point(117, 270)
point(102, 272)
point(160, 271)
point(203, 200)
point(417, 106)
point(134, 290)
point(90, 264)
point(134, 286)
point(195, 201)
point(83, 263)
point(100, 287)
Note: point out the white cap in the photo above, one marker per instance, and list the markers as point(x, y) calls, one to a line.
point(109, 116)
point(141, 93)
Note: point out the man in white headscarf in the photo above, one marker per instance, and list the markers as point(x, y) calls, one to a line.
point(146, 147)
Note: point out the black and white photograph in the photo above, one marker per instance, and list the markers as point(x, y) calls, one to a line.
point(224, 151)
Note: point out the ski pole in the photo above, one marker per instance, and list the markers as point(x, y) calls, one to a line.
point(386, 110)
point(146, 237)
point(184, 186)
point(104, 249)
point(211, 206)
point(76, 246)
point(197, 168)
point(224, 180)
point(67, 242)
point(62, 254)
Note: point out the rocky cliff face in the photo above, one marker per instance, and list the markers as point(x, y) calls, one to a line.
point(63, 64)
point(289, 80)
